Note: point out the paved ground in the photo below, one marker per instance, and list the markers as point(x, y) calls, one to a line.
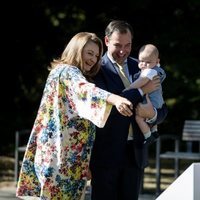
point(8, 193)
point(7, 186)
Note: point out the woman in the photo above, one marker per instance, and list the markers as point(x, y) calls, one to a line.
point(56, 160)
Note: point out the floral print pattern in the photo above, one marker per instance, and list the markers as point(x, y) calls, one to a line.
point(56, 160)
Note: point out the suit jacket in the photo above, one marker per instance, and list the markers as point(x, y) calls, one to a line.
point(110, 143)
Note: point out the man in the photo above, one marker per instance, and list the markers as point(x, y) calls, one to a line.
point(119, 154)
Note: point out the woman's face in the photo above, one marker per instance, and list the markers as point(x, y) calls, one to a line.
point(90, 55)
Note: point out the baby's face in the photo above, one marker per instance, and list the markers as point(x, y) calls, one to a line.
point(147, 61)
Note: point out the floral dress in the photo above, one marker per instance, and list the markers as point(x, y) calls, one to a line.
point(56, 160)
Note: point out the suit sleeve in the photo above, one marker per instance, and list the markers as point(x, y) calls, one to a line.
point(102, 80)
point(132, 95)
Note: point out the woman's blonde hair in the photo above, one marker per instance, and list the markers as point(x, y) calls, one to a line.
point(72, 54)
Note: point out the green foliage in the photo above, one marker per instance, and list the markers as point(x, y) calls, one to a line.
point(44, 27)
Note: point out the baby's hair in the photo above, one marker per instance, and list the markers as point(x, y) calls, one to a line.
point(152, 49)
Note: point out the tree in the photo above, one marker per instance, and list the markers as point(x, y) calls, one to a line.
point(37, 31)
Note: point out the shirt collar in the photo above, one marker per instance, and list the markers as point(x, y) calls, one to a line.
point(113, 61)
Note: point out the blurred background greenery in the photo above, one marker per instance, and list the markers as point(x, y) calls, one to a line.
point(34, 32)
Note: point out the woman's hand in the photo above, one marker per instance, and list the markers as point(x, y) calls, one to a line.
point(123, 105)
point(89, 175)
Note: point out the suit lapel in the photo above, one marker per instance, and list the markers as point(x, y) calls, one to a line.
point(112, 73)
point(133, 69)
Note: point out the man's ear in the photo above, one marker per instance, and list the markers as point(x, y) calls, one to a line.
point(106, 40)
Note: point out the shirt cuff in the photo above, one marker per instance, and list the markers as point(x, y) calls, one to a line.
point(153, 119)
point(141, 92)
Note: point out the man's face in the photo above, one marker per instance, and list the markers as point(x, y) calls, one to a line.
point(119, 46)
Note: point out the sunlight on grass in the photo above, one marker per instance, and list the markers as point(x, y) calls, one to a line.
point(167, 174)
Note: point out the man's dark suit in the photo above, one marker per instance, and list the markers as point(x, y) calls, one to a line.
point(110, 149)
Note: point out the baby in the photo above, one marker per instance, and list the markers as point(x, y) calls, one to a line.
point(149, 63)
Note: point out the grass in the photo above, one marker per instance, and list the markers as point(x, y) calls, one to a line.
point(167, 174)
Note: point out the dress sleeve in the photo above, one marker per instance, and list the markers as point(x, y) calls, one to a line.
point(87, 100)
